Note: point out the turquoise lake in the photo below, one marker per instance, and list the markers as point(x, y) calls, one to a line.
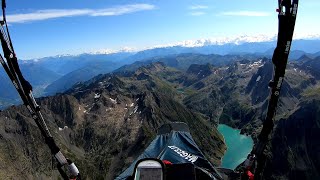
point(239, 146)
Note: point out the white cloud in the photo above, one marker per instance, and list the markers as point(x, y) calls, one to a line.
point(245, 13)
point(59, 13)
point(197, 13)
point(46, 14)
point(122, 10)
point(196, 7)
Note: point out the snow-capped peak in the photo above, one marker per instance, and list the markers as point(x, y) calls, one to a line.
point(223, 40)
point(238, 40)
point(306, 36)
point(112, 51)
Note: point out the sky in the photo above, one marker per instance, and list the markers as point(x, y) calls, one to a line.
point(45, 28)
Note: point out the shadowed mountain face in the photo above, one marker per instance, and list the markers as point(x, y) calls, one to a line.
point(295, 147)
point(106, 122)
point(312, 66)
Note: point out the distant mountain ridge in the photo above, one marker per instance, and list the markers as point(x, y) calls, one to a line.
point(37, 75)
point(264, 47)
point(66, 70)
point(67, 63)
point(51, 75)
point(80, 75)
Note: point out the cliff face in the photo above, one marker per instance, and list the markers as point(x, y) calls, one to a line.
point(102, 125)
point(295, 145)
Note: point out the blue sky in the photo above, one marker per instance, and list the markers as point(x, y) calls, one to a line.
point(44, 28)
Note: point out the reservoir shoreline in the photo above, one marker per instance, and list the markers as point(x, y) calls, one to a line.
point(238, 146)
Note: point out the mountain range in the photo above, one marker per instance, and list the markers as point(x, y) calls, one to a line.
point(62, 72)
point(106, 122)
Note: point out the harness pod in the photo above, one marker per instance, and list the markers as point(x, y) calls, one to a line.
point(24, 89)
point(175, 147)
